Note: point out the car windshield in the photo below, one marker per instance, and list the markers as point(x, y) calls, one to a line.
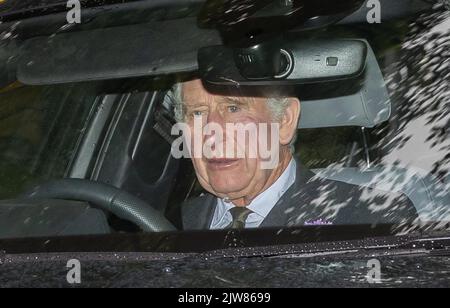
point(89, 149)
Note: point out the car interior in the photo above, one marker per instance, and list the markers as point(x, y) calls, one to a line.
point(102, 131)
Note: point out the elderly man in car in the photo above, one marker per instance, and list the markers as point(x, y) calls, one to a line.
point(243, 193)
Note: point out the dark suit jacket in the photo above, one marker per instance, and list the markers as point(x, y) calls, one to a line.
point(312, 200)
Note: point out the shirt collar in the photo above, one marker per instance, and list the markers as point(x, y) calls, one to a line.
point(265, 201)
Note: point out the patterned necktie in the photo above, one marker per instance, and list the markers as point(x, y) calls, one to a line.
point(240, 215)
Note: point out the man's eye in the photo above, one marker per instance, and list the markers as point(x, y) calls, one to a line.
point(197, 113)
point(233, 108)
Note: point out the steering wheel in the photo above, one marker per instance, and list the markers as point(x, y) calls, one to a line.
point(105, 197)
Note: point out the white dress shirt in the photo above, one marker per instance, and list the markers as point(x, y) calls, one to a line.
point(260, 206)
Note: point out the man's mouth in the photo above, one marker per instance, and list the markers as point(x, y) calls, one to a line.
point(221, 163)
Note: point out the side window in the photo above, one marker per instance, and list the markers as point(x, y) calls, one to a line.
point(39, 130)
point(154, 144)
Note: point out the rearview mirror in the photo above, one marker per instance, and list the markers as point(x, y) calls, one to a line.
point(283, 63)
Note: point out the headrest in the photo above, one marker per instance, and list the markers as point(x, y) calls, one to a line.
point(367, 107)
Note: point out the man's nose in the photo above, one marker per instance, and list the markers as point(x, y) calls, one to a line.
point(217, 119)
point(215, 116)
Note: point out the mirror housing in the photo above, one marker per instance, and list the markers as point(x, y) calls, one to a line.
point(280, 62)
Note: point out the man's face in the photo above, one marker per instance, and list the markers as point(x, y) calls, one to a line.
point(229, 174)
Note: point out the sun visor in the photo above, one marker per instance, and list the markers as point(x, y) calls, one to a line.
point(150, 49)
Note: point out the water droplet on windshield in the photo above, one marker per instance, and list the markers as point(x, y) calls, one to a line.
point(167, 270)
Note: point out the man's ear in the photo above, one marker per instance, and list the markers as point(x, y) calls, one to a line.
point(289, 122)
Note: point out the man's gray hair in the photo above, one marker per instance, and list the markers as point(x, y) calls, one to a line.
point(277, 106)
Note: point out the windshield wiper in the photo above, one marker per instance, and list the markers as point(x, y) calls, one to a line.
point(394, 245)
point(439, 246)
